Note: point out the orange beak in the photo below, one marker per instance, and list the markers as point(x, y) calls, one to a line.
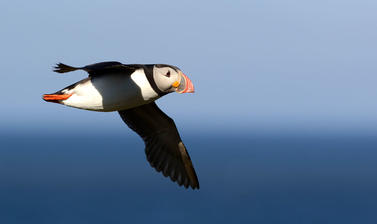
point(189, 86)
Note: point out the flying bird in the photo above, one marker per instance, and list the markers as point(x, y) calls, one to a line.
point(131, 89)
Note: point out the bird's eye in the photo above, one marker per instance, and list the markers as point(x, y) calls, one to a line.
point(168, 74)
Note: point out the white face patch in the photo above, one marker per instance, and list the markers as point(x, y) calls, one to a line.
point(164, 77)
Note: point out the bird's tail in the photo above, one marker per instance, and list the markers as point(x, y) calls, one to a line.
point(63, 68)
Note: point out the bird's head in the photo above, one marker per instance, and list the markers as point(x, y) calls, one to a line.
point(169, 78)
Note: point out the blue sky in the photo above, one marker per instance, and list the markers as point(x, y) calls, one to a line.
point(262, 66)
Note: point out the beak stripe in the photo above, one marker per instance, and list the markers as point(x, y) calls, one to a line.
point(189, 86)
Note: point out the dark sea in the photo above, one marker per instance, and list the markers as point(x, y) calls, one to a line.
point(60, 178)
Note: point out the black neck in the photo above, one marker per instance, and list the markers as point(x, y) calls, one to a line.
point(148, 70)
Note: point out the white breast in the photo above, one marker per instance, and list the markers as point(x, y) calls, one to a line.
point(111, 92)
point(146, 89)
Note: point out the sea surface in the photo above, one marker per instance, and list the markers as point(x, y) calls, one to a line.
point(60, 178)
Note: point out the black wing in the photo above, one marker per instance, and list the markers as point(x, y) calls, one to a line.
point(164, 148)
point(97, 68)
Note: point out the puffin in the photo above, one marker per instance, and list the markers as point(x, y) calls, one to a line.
point(132, 89)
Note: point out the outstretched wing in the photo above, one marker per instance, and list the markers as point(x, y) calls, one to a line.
point(164, 148)
point(97, 68)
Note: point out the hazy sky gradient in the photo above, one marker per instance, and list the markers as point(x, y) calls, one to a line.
point(256, 65)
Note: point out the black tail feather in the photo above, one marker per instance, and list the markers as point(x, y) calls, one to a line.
point(63, 68)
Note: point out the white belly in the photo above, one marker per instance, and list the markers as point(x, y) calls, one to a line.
point(111, 92)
